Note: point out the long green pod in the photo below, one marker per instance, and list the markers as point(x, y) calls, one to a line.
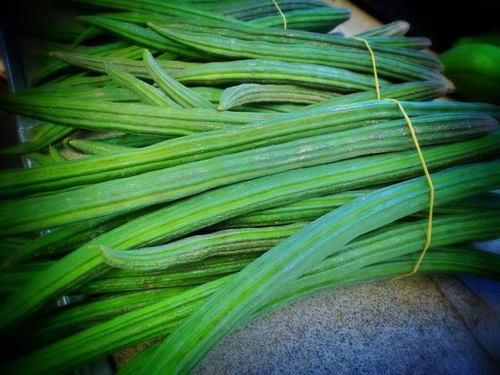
point(254, 93)
point(351, 60)
point(146, 93)
point(134, 67)
point(212, 94)
point(312, 208)
point(128, 140)
point(222, 73)
point(55, 154)
point(416, 91)
point(224, 203)
point(118, 50)
point(162, 317)
point(301, 211)
point(58, 66)
point(196, 248)
point(140, 35)
point(127, 117)
point(170, 9)
point(402, 43)
point(42, 136)
point(87, 34)
point(264, 278)
point(79, 317)
point(245, 32)
point(453, 260)
point(117, 281)
point(448, 260)
point(248, 10)
point(395, 28)
point(40, 159)
point(109, 92)
point(184, 96)
point(52, 242)
point(246, 240)
point(78, 80)
point(165, 185)
point(96, 148)
point(317, 19)
point(61, 241)
point(211, 144)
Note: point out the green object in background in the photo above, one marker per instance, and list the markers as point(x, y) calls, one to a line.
point(473, 66)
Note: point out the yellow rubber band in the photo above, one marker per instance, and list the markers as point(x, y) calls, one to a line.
point(420, 155)
point(280, 12)
point(431, 192)
point(374, 64)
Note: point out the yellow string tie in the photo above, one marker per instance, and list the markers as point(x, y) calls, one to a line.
point(420, 155)
point(280, 12)
point(431, 192)
point(374, 64)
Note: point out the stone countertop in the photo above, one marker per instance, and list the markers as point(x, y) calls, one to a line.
point(427, 325)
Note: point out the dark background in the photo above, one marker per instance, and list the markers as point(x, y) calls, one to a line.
point(442, 21)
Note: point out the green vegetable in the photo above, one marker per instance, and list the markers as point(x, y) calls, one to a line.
point(162, 317)
point(42, 136)
point(245, 32)
point(473, 68)
point(458, 261)
point(317, 19)
point(355, 61)
point(96, 148)
point(146, 93)
point(223, 203)
point(165, 185)
point(248, 10)
point(301, 211)
point(210, 144)
point(221, 73)
point(140, 35)
point(87, 34)
point(252, 93)
point(396, 28)
point(127, 117)
point(181, 94)
point(119, 49)
point(55, 155)
point(260, 281)
point(257, 240)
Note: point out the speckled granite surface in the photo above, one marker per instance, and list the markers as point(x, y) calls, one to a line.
point(392, 327)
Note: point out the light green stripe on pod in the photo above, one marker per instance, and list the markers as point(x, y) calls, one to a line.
point(146, 93)
point(141, 35)
point(414, 91)
point(316, 19)
point(396, 28)
point(302, 211)
point(55, 155)
point(180, 93)
point(96, 148)
point(87, 34)
point(254, 93)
